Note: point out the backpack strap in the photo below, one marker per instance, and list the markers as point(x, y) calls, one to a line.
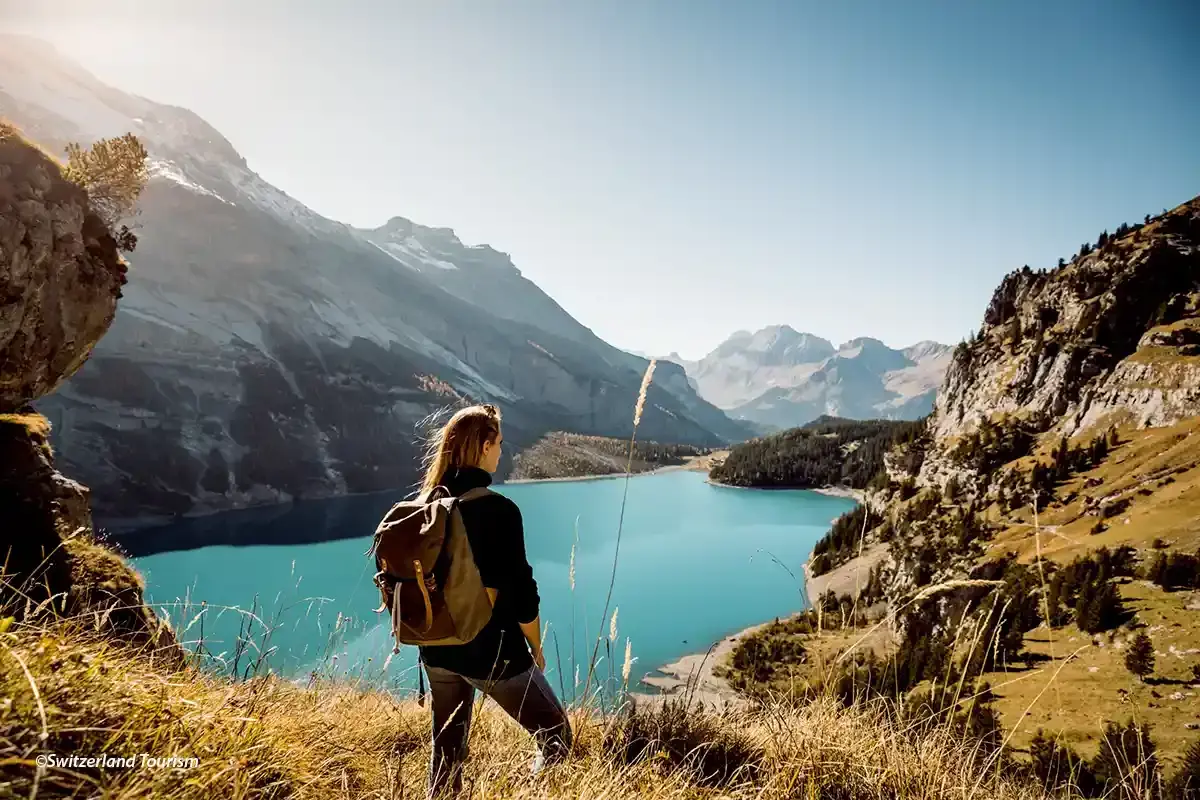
point(474, 494)
point(436, 493)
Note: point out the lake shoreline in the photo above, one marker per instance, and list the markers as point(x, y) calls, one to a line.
point(694, 675)
point(857, 495)
point(607, 477)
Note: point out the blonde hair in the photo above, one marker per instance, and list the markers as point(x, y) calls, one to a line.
point(459, 443)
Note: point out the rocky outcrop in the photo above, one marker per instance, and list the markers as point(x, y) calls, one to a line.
point(1113, 337)
point(62, 274)
point(52, 563)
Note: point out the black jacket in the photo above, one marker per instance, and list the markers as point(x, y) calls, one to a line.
point(497, 539)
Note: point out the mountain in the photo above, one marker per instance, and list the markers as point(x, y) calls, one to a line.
point(780, 378)
point(263, 352)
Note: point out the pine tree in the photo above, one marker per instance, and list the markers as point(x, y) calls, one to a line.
point(1098, 607)
point(1139, 659)
point(113, 172)
point(1062, 460)
point(1157, 571)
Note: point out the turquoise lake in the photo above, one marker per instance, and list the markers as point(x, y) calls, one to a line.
point(697, 562)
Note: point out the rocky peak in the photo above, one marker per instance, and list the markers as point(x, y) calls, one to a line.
point(872, 354)
point(863, 343)
point(924, 350)
point(420, 246)
point(776, 345)
point(400, 227)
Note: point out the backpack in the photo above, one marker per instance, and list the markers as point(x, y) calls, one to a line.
point(426, 575)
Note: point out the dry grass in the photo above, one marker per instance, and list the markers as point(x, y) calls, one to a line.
point(9, 131)
point(35, 424)
point(1091, 683)
point(269, 738)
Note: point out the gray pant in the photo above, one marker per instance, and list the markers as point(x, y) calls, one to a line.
point(527, 698)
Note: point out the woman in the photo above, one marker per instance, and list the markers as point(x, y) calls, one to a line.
point(505, 660)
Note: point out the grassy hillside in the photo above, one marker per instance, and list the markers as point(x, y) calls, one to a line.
point(572, 455)
point(1066, 680)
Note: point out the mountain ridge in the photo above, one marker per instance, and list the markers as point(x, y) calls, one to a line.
point(264, 352)
point(780, 378)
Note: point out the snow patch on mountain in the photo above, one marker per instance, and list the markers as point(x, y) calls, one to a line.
point(411, 248)
point(171, 172)
point(387, 251)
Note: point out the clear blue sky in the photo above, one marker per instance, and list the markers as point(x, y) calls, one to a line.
point(673, 171)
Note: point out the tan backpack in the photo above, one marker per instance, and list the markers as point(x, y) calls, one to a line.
point(426, 574)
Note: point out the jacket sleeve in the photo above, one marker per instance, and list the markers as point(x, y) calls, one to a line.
point(519, 583)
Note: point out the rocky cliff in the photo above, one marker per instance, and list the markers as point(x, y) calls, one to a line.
point(60, 277)
point(1111, 338)
point(62, 273)
point(264, 353)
